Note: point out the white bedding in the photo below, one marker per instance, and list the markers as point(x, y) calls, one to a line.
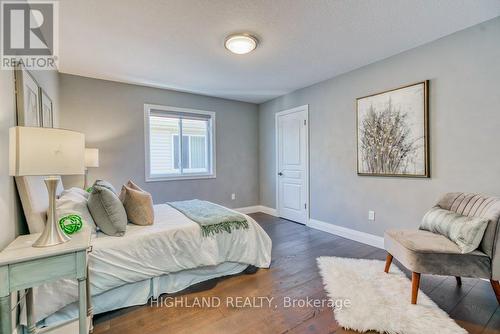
point(173, 243)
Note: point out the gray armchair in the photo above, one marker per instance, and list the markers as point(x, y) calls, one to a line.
point(424, 252)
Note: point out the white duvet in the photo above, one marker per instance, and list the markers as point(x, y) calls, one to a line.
point(173, 243)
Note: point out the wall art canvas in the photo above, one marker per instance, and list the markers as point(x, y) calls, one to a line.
point(392, 132)
point(46, 107)
point(28, 99)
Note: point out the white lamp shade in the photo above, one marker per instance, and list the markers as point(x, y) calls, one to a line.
point(45, 151)
point(91, 157)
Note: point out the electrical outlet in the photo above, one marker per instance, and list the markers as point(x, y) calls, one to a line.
point(371, 215)
point(233, 197)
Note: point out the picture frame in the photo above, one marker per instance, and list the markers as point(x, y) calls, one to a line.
point(46, 110)
point(392, 131)
point(27, 98)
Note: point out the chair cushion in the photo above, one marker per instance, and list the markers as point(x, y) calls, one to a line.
point(476, 205)
point(428, 253)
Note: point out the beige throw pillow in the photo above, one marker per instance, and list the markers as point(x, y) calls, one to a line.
point(138, 204)
point(134, 186)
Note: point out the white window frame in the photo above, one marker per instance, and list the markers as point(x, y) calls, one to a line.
point(211, 156)
point(189, 141)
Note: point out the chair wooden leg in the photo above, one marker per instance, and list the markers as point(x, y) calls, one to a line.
point(415, 283)
point(388, 262)
point(496, 288)
point(459, 280)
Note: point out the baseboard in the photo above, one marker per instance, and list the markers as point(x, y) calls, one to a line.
point(248, 209)
point(268, 210)
point(257, 208)
point(366, 238)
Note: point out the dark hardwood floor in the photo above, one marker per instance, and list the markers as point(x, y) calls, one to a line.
point(294, 274)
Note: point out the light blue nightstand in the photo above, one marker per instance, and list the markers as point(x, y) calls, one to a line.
point(23, 267)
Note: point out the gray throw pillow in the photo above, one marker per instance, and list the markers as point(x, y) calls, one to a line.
point(107, 210)
point(466, 232)
point(105, 184)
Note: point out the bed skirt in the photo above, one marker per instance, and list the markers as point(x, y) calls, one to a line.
point(140, 292)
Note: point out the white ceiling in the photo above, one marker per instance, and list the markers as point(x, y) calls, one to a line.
point(178, 44)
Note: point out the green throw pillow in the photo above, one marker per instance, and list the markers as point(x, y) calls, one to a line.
point(466, 232)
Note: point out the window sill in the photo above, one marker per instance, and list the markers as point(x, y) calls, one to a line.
point(180, 177)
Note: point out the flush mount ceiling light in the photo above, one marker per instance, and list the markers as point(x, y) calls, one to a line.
point(241, 43)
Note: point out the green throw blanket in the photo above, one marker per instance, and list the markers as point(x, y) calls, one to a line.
point(212, 218)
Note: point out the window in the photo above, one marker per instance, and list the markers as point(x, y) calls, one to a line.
point(167, 157)
point(194, 154)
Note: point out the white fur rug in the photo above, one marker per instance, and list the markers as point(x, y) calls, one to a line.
point(380, 301)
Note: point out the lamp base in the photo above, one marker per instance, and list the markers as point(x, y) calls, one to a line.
point(52, 234)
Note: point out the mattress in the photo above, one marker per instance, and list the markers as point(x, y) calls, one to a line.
point(174, 243)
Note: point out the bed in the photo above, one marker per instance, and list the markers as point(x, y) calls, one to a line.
point(166, 257)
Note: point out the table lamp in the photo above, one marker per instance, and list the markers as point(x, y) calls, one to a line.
point(47, 152)
point(91, 161)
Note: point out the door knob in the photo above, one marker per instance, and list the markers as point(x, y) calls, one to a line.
point(280, 174)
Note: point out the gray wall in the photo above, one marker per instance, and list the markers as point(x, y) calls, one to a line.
point(464, 74)
point(12, 223)
point(111, 115)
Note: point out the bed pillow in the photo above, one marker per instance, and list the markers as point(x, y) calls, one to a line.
point(105, 184)
point(107, 210)
point(466, 232)
point(132, 185)
point(138, 205)
point(77, 191)
point(74, 201)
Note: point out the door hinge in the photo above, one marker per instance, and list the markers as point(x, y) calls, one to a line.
point(305, 206)
point(305, 122)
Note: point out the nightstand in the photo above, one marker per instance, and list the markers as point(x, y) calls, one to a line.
point(24, 267)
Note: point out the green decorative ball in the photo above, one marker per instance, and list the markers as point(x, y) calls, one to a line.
point(71, 223)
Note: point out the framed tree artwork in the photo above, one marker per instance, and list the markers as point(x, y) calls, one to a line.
point(46, 107)
point(392, 132)
point(28, 99)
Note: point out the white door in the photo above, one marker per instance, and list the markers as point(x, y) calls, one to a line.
point(292, 164)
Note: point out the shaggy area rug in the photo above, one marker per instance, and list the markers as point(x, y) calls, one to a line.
point(365, 298)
